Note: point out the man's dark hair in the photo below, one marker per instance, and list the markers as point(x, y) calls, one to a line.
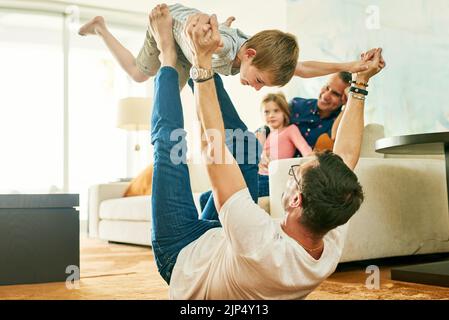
point(346, 77)
point(331, 194)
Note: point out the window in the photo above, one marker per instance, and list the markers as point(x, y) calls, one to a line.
point(32, 107)
point(98, 150)
point(31, 102)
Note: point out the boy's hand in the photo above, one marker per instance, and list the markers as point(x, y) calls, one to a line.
point(364, 63)
point(374, 66)
point(204, 38)
point(369, 55)
point(356, 66)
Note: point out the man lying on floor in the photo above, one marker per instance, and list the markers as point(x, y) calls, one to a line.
point(245, 254)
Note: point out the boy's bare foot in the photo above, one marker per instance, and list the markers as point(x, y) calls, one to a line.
point(229, 21)
point(161, 25)
point(94, 26)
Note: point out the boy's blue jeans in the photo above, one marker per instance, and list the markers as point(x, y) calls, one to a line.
point(175, 218)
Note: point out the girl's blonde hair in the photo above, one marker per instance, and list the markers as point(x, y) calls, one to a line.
point(281, 101)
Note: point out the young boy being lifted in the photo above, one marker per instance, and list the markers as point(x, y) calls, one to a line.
point(269, 58)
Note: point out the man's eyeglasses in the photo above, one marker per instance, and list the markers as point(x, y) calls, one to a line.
point(291, 172)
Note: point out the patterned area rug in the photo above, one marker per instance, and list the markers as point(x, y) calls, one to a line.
point(350, 282)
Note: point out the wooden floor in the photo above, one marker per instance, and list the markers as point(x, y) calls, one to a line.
point(117, 271)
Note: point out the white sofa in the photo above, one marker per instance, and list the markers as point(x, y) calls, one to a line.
point(116, 218)
point(128, 219)
point(405, 209)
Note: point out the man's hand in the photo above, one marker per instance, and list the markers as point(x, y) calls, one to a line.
point(225, 175)
point(374, 65)
point(204, 38)
point(363, 64)
point(360, 65)
point(369, 55)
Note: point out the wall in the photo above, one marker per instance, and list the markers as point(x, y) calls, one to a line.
point(409, 96)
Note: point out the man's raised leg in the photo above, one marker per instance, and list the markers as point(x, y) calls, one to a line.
point(175, 218)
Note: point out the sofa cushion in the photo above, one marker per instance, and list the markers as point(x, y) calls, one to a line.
point(129, 208)
point(324, 142)
point(135, 232)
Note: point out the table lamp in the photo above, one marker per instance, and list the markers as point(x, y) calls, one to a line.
point(134, 115)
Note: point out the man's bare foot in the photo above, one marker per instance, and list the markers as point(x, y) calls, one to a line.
point(161, 25)
point(94, 26)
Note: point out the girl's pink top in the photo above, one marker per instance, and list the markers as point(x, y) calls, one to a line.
point(282, 144)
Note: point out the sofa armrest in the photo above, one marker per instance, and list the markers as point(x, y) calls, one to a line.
point(97, 194)
point(278, 173)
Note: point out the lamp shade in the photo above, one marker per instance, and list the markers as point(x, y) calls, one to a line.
point(134, 113)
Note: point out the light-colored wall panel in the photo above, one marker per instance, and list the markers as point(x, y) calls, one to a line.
point(410, 94)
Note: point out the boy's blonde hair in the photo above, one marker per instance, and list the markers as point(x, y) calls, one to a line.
point(281, 101)
point(277, 53)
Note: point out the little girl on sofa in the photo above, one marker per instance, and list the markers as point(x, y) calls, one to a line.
point(284, 139)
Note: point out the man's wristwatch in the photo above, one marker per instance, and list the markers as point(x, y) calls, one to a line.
point(200, 75)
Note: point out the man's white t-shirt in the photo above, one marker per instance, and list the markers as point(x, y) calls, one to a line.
point(251, 257)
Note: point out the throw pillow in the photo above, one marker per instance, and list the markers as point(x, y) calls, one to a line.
point(324, 142)
point(141, 185)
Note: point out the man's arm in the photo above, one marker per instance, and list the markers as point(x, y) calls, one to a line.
point(336, 124)
point(350, 131)
point(348, 140)
point(224, 173)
